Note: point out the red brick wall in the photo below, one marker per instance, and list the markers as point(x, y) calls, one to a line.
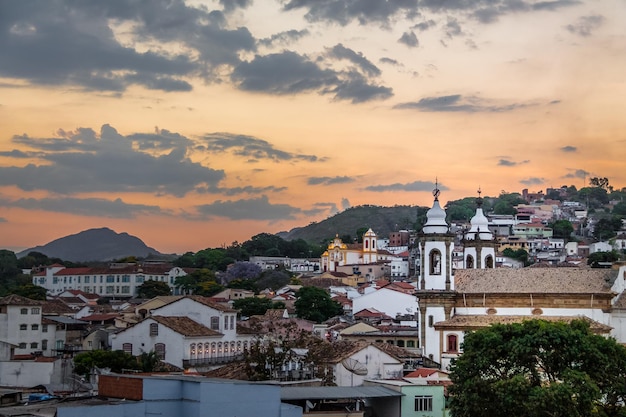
point(115, 386)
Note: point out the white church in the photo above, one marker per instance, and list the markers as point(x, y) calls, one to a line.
point(453, 302)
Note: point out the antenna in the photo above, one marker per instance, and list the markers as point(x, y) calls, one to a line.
point(355, 368)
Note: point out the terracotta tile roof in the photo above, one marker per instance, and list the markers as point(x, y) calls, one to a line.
point(185, 326)
point(534, 280)
point(396, 351)
point(18, 300)
point(56, 307)
point(371, 313)
point(474, 322)
point(101, 317)
point(421, 373)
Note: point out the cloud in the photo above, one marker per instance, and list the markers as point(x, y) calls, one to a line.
point(411, 186)
point(86, 161)
point(425, 25)
point(509, 163)
point(284, 38)
point(249, 189)
point(533, 181)
point(409, 39)
point(3, 220)
point(249, 147)
point(569, 149)
point(89, 207)
point(586, 25)
point(390, 61)
point(577, 173)
point(453, 28)
point(250, 209)
point(459, 103)
point(290, 73)
point(341, 52)
point(362, 11)
point(329, 180)
point(345, 204)
point(230, 5)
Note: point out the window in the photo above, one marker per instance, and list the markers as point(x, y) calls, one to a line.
point(34, 327)
point(22, 345)
point(139, 278)
point(125, 278)
point(192, 350)
point(44, 328)
point(430, 321)
point(126, 289)
point(215, 323)
point(469, 262)
point(110, 278)
point(44, 344)
point(24, 311)
point(435, 262)
point(453, 343)
point(34, 310)
point(423, 403)
point(127, 348)
point(23, 327)
point(34, 345)
point(489, 262)
point(232, 322)
point(110, 289)
point(154, 329)
point(87, 279)
point(159, 349)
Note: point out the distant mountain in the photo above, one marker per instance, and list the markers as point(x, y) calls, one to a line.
point(94, 245)
point(382, 220)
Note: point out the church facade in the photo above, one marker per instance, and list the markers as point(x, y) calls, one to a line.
point(453, 302)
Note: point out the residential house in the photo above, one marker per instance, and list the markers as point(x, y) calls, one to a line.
point(20, 324)
point(391, 301)
point(419, 399)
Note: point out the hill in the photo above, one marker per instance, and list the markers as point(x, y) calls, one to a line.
point(94, 245)
point(382, 220)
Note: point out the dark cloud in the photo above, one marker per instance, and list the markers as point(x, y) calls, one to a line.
point(3, 220)
point(230, 5)
point(240, 190)
point(452, 28)
point(73, 43)
point(569, 148)
point(86, 161)
point(586, 25)
point(329, 180)
point(577, 173)
point(533, 181)
point(425, 25)
point(364, 12)
point(90, 207)
point(459, 103)
point(284, 38)
point(509, 163)
point(290, 73)
point(409, 39)
point(15, 153)
point(341, 52)
point(390, 61)
point(251, 209)
point(411, 186)
point(345, 204)
point(249, 147)
point(330, 208)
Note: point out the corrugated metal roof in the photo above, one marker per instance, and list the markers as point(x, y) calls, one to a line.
point(330, 393)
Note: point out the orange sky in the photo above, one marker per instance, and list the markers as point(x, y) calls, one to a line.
point(203, 123)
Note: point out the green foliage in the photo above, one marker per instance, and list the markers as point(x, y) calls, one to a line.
point(255, 306)
point(34, 292)
point(595, 258)
point(519, 254)
point(208, 288)
point(151, 289)
point(600, 182)
point(606, 227)
point(538, 368)
point(272, 279)
point(464, 209)
point(620, 209)
point(315, 304)
point(193, 282)
point(506, 202)
point(149, 362)
point(116, 360)
point(562, 229)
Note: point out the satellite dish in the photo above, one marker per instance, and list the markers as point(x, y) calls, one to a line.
point(354, 366)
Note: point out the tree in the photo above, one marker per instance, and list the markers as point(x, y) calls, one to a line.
point(315, 304)
point(620, 209)
point(505, 204)
point(538, 368)
point(562, 229)
point(242, 270)
point(152, 288)
point(595, 258)
point(600, 182)
point(255, 306)
point(606, 228)
point(519, 254)
point(34, 292)
point(272, 279)
point(116, 360)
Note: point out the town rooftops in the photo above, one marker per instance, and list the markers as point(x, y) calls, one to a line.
point(534, 281)
point(185, 326)
point(18, 300)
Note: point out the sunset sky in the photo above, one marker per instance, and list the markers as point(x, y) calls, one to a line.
point(196, 124)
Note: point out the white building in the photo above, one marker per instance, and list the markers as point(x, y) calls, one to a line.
point(120, 280)
point(390, 302)
point(20, 324)
point(189, 331)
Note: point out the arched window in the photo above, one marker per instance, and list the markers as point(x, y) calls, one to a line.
point(453, 343)
point(219, 348)
point(213, 349)
point(435, 262)
point(232, 347)
point(367, 243)
point(192, 350)
point(207, 350)
point(154, 329)
point(469, 262)
point(489, 261)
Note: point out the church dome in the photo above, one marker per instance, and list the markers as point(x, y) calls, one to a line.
point(436, 217)
point(480, 223)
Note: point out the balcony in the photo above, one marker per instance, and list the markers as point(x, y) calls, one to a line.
point(217, 360)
